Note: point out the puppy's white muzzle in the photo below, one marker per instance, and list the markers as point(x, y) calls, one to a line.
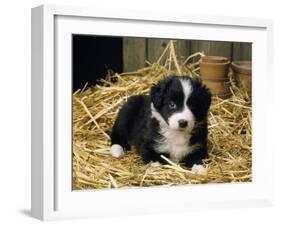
point(182, 120)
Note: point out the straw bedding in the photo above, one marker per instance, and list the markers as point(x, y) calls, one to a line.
point(94, 112)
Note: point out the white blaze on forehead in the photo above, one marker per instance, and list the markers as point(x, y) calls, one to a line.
point(186, 113)
point(187, 88)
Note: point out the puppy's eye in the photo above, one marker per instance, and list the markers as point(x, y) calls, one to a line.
point(172, 105)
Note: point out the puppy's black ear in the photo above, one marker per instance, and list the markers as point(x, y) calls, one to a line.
point(206, 97)
point(157, 92)
point(200, 99)
point(156, 96)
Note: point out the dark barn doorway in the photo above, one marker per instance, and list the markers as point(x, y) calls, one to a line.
point(93, 56)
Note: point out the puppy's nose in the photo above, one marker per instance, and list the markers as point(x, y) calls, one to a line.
point(182, 123)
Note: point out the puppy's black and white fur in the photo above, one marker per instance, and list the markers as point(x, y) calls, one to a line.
point(171, 121)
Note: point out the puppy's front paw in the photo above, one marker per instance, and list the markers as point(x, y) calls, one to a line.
point(155, 164)
point(200, 169)
point(117, 151)
point(152, 166)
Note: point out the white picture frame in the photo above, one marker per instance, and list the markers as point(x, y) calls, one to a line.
point(52, 197)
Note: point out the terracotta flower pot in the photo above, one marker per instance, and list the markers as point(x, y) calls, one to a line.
point(214, 67)
point(214, 73)
point(214, 59)
point(242, 71)
point(219, 88)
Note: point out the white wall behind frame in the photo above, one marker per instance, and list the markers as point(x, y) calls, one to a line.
point(15, 117)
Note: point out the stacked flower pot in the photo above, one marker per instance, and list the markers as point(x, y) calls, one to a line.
point(242, 71)
point(214, 73)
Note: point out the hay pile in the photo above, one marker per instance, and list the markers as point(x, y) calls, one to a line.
point(94, 112)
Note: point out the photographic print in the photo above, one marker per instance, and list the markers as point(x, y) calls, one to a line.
point(160, 112)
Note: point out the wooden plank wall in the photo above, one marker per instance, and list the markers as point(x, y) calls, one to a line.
point(134, 53)
point(137, 50)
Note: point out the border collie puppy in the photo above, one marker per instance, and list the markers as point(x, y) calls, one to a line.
point(171, 121)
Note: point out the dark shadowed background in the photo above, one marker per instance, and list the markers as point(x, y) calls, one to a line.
point(93, 56)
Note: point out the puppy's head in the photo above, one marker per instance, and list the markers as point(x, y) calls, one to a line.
point(180, 102)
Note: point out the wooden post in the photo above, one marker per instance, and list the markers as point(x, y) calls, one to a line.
point(242, 51)
point(157, 46)
point(134, 53)
point(212, 48)
point(182, 48)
